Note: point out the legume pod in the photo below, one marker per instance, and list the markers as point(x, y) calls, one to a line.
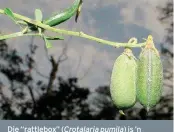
point(123, 80)
point(64, 15)
point(150, 75)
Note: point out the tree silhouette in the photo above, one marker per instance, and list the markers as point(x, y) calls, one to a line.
point(66, 101)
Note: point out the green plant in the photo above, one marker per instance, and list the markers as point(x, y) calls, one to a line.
point(37, 27)
point(30, 27)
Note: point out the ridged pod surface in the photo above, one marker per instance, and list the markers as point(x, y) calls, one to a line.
point(150, 75)
point(123, 80)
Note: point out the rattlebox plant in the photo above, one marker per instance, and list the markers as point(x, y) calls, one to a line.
point(132, 79)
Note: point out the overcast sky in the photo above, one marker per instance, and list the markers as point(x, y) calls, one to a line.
point(115, 20)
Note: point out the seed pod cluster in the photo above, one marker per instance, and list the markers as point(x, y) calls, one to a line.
point(123, 80)
point(141, 81)
point(150, 76)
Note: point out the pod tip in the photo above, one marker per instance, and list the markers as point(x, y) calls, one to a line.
point(150, 37)
point(121, 112)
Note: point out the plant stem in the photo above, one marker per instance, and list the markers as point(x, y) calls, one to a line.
point(17, 34)
point(66, 32)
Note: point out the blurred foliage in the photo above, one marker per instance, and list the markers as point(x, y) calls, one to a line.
point(25, 98)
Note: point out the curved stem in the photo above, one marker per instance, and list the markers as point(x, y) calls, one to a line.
point(66, 32)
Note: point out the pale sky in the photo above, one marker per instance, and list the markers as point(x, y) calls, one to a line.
point(115, 20)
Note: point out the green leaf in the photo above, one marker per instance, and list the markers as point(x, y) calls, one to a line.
point(47, 43)
point(38, 15)
point(9, 13)
point(55, 38)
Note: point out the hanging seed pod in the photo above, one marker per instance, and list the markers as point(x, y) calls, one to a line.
point(123, 81)
point(150, 75)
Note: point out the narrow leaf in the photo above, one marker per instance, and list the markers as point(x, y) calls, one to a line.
point(9, 13)
point(38, 15)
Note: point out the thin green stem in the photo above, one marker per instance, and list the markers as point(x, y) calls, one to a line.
point(17, 34)
point(66, 32)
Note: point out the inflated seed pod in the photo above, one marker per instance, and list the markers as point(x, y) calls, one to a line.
point(123, 81)
point(150, 75)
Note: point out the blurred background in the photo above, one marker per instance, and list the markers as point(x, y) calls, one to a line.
point(71, 80)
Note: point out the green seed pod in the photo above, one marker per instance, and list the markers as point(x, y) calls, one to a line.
point(150, 76)
point(123, 80)
point(63, 16)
